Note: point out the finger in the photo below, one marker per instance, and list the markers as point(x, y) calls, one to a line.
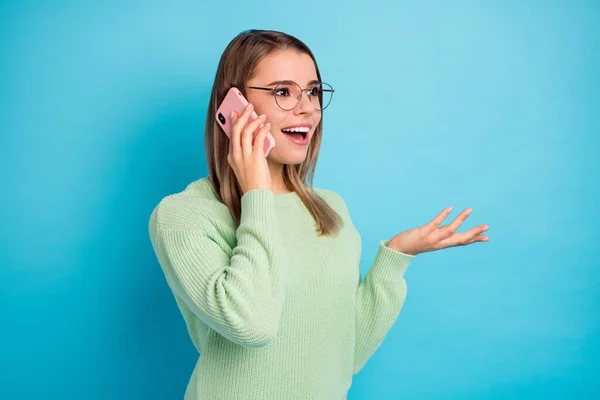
point(454, 225)
point(248, 134)
point(253, 125)
point(259, 142)
point(244, 117)
point(237, 128)
point(435, 223)
point(448, 230)
point(479, 238)
point(461, 239)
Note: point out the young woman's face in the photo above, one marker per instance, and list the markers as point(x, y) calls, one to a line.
point(286, 65)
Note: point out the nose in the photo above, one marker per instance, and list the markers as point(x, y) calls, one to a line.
point(305, 106)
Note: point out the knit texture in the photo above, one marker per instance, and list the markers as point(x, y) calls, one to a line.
point(274, 310)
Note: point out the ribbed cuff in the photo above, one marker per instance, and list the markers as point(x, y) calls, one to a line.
point(389, 263)
point(258, 205)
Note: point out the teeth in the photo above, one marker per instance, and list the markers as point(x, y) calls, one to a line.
point(302, 129)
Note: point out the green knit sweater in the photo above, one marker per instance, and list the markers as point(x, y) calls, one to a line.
point(274, 310)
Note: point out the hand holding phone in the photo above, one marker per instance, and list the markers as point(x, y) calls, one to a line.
point(235, 101)
point(250, 167)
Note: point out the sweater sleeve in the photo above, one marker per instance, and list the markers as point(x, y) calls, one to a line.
point(379, 298)
point(238, 292)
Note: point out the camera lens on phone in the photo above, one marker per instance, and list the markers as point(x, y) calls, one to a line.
point(221, 118)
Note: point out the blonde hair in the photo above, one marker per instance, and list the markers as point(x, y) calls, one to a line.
point(236, 66)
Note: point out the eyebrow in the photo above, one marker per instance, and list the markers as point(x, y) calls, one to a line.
point(288, 82)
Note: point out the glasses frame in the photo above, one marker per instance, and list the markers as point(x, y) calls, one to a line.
point(302, 91)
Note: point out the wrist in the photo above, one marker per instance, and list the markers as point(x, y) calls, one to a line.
point(394, 245)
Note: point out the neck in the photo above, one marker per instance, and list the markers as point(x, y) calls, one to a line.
point(277, 182)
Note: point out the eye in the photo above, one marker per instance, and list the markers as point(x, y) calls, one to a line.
point(281, 92)
point(315, 91)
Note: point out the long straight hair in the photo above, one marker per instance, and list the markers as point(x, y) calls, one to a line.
point(236, 66)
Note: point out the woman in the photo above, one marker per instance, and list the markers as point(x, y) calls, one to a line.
point(264, 268)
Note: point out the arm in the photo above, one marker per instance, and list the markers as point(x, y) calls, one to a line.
point(379, 298)
point(238, 292)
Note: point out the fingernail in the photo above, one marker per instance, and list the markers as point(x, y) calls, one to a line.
point(268, 124)
point(448, 209)
point(249, 106)
point(261, 125)
point(469, 211)
point(263, 116)
point(232, 114)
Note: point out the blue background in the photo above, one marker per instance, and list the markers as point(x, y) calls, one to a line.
point(480, 104)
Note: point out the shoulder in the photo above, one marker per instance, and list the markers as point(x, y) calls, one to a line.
point(335, 200)
point(178, 211)
point(189, 209)
point(327, 194)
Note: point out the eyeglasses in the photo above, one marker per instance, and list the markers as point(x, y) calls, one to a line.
point(288, 94)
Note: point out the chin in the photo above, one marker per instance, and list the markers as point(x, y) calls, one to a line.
point(290, 159)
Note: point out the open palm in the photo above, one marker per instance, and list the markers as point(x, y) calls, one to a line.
point(431, 237)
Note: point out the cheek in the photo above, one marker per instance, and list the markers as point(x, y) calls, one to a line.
point(277, 122)
point(316, 119)
point(262, 106)
point(272, 115)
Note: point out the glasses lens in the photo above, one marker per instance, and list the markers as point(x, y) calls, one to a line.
point(287, 96)
point(321, 95)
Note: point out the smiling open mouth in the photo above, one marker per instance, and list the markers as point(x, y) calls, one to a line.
point(298, 133)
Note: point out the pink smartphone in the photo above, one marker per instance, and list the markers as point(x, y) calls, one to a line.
point(235, 101)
